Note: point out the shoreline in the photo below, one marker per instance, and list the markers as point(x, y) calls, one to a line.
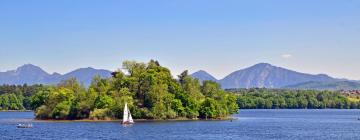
point(136, 120)
point(16, 111)
point(120, 120)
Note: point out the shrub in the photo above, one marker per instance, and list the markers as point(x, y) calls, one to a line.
point(101, 114)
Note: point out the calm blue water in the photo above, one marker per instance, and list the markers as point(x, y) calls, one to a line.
point(250, 124)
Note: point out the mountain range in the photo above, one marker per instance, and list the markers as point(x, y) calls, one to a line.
point(264, 75)
point(31, 74)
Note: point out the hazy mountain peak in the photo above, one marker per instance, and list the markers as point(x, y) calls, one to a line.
point(203, 76)
point(88, 68)
point(85, 75)
point(268, 76)
point(202, 72)
point(29, 67)
point(56, 74)
point(263, 65)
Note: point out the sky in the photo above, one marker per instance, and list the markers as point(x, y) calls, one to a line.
point(218, 36)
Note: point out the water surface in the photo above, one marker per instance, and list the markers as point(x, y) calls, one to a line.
point(250, 124)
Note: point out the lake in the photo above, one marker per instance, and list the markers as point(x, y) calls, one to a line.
point(249, 124)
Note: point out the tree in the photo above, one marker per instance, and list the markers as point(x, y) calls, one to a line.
point(210, 89)
point(61, 110)
point(209, 109)
point(39, 98)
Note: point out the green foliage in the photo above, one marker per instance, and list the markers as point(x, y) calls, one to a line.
point(61, 110)
point(22, 93)
point(209, 109)
point(39, 99)
point(10, 102)
point(104, 101)
point(43, 112)
point(177, 106)
point(292, 99)
point(102, 114)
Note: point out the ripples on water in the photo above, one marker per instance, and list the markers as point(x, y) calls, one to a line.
point(250, 124)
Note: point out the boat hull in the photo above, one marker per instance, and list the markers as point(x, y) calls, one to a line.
point(127, 123)
point(24, 126)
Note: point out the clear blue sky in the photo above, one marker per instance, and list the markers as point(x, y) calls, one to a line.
point(219, 36)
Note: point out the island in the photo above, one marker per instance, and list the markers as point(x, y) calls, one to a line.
point(149, 90)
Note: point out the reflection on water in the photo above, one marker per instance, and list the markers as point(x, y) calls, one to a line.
point(249, 124)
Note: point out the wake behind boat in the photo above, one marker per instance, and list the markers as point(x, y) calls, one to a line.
point(127, 118)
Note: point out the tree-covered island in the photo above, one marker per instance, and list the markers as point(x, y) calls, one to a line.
point(149, 89)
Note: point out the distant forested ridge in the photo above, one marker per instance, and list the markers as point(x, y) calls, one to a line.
point(261, 98)
point(149, 89)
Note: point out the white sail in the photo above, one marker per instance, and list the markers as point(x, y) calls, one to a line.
point(130, 118)
point(127, 118)
point(126, 114)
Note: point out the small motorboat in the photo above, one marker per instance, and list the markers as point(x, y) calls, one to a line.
point(24, 126)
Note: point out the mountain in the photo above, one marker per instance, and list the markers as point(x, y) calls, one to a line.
point(85, 75)
point(337, 85)
point(25, 74)
point(203, 76)
point(31, 74)
point(264, 75)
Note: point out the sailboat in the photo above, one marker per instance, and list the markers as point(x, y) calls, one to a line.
point(127, 118)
